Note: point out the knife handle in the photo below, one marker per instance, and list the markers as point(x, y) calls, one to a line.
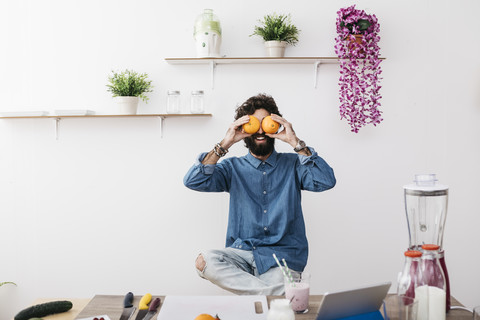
point(154, 305)
point(128, 301)
point(143, 304)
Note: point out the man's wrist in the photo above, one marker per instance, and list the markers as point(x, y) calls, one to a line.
point(219, 150)
point(225, 144)
point(300, 145)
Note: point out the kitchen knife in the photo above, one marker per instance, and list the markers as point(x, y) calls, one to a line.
point(143, 306)
point(128, 308)
point(152, 309)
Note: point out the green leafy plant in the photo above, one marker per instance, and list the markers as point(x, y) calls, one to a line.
point(277, 27)
point(356, 27)
point(129, 84)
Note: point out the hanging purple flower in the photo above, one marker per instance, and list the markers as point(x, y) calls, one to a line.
point(356, 45)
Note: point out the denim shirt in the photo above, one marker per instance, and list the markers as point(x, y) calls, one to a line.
point(265, 202)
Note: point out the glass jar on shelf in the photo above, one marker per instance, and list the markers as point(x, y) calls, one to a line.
point(197, 102)
point(173, 101)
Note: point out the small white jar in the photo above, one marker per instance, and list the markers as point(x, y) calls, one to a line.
point(280, 309)
point(196, 102)
point(173, 101)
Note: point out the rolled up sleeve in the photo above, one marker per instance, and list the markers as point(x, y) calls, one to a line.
point(314, 172)
point(201, 177)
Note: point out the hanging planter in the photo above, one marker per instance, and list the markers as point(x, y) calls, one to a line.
point(357, 47)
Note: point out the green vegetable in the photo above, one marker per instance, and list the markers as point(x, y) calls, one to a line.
point(44, 309)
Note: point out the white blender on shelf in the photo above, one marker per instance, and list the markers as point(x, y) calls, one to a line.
point(426, 208)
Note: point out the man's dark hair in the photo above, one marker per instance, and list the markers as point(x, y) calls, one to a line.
point(260, 101)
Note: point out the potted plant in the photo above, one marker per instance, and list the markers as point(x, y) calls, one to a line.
point(127, 88)
point(277, 31)
point(357, 47)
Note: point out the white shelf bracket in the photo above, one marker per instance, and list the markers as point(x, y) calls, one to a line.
point(162, 123)
point(316, 65)
point(213, 66)
point(57, 124)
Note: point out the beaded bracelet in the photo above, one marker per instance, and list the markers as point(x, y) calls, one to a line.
point(219, 150)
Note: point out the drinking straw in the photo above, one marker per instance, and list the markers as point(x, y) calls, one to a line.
point(288, 270)
point(281, 268)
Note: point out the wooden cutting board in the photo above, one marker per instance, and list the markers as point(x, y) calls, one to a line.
point(227, 307)
point(111, 305)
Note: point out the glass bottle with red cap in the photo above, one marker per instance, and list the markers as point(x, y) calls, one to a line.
point(411, 276)
point(434, 293)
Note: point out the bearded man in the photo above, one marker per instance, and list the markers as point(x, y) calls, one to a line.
point(265, 213)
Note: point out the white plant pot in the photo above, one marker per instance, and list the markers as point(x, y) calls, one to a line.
point(275, 48)
point(127, 105)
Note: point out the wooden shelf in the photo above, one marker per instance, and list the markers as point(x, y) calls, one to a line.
point(253, 60)
point(162, 117)
point(167, 115)
point(213, 62)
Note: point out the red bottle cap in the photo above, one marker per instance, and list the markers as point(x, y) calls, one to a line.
point(430, 247)
point(413, 254)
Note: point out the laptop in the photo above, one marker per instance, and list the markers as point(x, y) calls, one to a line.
point(353, 302)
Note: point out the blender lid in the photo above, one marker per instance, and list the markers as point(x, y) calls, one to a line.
point(426, 182)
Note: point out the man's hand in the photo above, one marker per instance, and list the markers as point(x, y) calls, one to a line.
point(287, 134)
point(235, 132)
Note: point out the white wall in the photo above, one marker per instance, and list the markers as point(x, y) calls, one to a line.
point(103, 210)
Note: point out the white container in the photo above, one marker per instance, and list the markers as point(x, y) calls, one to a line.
point(208, 35)
point(173, 101)
point(275, 49)
point(197, 102)
point(280, 310)
point(127, 105)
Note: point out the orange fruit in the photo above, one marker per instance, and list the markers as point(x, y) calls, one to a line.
point(269, 125)
point(205, 316)
point(252, 126)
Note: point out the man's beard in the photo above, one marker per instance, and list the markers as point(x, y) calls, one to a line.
point(261, 150)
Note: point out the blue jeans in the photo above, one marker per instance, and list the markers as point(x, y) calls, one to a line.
point(235, 270)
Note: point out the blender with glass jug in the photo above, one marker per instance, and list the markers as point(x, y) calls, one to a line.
point(426, 208)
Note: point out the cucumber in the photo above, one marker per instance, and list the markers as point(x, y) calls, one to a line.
point(44, 309)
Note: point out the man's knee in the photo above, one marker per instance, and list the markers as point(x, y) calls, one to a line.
point(200, 263)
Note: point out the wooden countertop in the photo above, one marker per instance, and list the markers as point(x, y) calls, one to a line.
point(109, 304)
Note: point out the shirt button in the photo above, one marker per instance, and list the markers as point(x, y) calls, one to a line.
point(254, 248)
point(265, 228)
point(264, 173)
point(264, 192)
point(240, 246)
point(264, 211)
